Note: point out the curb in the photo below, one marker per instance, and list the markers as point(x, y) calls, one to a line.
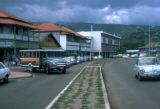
point(49, 106)
point(106, 101)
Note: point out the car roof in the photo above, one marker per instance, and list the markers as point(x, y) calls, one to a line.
point(145, 57)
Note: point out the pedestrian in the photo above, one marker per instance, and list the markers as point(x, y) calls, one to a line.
point(16, 61)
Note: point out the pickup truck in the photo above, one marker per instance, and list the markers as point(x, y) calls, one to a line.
point(54, 64)
point(40, 60)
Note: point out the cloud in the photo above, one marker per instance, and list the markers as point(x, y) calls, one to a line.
point(133, 3)
point(98, 11)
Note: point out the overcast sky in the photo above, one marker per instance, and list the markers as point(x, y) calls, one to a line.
point(145, 12)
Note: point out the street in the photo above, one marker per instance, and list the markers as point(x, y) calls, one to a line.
point(35, 92)
point(127, 92)
point(124, 90)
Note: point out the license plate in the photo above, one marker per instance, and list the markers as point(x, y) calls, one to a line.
point(61, 67)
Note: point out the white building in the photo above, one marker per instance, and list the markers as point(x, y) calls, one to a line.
point(103, 43)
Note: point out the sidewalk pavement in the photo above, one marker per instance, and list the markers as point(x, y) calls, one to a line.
point(17, 72)
point(16, 75)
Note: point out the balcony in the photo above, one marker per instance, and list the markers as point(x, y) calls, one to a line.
point(18, 37)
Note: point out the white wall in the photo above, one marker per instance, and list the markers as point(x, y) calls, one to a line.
point(96, 39)
point(63, 41)
point(73, 45)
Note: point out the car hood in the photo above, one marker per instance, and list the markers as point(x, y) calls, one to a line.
point(53, 60)
point(150, 68)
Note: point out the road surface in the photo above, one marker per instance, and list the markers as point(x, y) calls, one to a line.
point(35, 92)
point(127, 92)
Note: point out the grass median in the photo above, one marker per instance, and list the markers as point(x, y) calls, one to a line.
point(85, 92)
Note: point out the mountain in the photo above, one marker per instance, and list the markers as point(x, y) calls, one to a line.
point(133, 36)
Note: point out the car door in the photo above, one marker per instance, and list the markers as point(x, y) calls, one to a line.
point(2, 71)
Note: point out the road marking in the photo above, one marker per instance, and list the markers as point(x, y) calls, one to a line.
point(106, 101)
point(93, 66)
point(61, 93)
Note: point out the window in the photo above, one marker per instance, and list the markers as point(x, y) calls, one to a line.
point(16, 31)
point(104, 40)
point(107, 40)
point(25, 32)
point(113, 42)
point(1, 28)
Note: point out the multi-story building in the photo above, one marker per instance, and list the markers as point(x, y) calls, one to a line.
point(102, 43)
point(61, 37)
point(15, 34)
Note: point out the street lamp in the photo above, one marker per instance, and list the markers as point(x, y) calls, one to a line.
point(149, 40)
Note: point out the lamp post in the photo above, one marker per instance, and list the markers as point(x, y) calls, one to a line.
point(149, 40)
point(15, 45)
point(80, 46)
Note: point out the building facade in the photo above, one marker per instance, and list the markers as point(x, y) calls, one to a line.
point(65, 38)
point(151, 49)
point(102, 43)
point(15, 34)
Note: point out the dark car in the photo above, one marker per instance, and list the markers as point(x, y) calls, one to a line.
point(54, 64)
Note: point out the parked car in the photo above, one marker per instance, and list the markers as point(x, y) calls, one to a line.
point(4, 73)
point(147, 67)
point(125, 56)
point(68, 61)
point(134, 55)
point(43, 60)
point(97, 57)
point(73, 60)
point(79, 59)
point(54, 64)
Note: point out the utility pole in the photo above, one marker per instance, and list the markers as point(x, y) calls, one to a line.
point(80, 46)
point(149, 41)
point(15, 46)
point(145, 43)
point(91, 41)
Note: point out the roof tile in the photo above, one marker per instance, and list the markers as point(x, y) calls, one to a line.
point(6, 18)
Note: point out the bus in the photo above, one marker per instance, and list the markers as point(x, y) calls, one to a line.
point(46, 60)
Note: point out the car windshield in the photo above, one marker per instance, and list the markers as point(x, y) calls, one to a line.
point(147, 61)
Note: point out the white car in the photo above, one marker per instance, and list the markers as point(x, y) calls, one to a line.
point(125, 56)
point(147, 67)
point(4, 73)
point(68, 60)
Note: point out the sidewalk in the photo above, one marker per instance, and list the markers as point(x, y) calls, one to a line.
point(16, 75)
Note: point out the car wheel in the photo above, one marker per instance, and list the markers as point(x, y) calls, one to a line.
point(140, 77)
point(136, 76)
point(64, 71)
point(47, 69)
point(5, 80)
point(34, 69)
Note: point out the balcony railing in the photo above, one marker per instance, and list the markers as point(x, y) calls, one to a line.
point(19, 37)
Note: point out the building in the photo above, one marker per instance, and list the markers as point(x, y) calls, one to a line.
point(151, 49)
point(102, 43)
point(55, 36)
point(15, 34)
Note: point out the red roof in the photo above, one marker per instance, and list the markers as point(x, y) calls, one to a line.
point(69, 31)
point(47, 27)
point(53, 27)
point(6, 18)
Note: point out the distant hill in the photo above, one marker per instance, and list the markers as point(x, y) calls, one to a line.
point(133, 36)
